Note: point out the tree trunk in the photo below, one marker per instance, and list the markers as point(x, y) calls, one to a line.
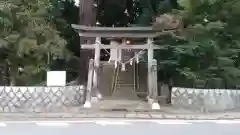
point(87, 12)
point(87, 16)
point(13, 76)
point(170, 85)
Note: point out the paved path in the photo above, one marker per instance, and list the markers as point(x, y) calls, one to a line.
point(121, 127)
point(119, 115)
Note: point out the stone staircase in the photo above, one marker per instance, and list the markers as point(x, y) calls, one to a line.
point(106, 78)
point(118, 91)
point(125, 82)
point(122, 86)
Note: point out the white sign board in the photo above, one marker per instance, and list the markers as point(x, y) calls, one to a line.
point(56, 78)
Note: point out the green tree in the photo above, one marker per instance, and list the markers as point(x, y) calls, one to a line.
point(65, 13)
point(30, 39)
point(207, 46)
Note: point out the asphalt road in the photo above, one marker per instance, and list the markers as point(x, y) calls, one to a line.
point(120, 127)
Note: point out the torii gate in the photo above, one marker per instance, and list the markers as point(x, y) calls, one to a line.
point(123, 32)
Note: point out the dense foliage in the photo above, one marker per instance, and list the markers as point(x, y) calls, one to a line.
point(36, 36)
point(30, 40)
point(206, 48)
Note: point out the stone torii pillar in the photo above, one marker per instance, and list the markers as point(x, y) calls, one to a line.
point(93, 76)
point(96, 68)
point(150, 58)
point(152, 76)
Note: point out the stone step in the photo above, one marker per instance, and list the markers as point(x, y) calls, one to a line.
point(125, 81)
point(125, 84)
point(125, 93)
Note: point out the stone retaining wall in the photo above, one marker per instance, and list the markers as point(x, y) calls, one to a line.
point(40, 99)
point(206, 100)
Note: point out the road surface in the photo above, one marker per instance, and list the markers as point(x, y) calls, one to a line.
point(121, 127)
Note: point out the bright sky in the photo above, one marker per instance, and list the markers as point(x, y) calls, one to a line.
point(76, 2)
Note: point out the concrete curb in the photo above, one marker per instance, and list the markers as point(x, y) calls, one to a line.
point(100, 115)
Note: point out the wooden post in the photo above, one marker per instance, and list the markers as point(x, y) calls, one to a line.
point(150, 58)
point(96, 92)
point(89, 84)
